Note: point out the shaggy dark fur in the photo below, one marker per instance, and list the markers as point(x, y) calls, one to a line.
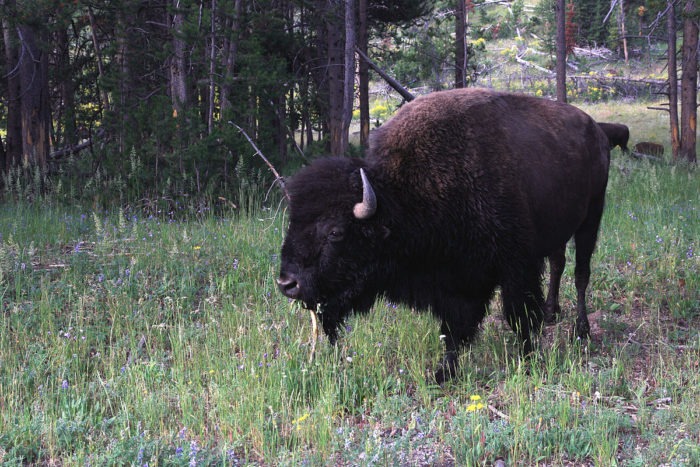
point(617, 133)
point(474, 189)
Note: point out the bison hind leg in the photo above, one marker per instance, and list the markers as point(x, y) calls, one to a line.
point(585, 238)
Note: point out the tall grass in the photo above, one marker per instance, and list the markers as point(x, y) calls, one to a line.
point(141, 340)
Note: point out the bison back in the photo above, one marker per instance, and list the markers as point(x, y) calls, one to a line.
point(511, 160)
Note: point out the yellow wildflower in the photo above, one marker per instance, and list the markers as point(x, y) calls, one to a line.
point(299, 420)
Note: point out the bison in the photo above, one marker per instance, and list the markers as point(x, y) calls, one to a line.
point(461, 192)
point(617, 133)
point(647, 148)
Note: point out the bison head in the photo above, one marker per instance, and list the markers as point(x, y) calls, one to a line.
point(330, 253)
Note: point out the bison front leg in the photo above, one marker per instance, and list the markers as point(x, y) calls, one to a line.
point(460, 322)
point(523, 304)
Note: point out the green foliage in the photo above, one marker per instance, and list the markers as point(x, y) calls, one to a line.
point(543, 23)
point(423, 53)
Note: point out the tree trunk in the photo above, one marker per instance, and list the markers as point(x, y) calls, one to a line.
point(178, 66)
point(98, 58)
point(124, 86)
point(230, 55)
point(13, 139)
point(349, 75)
point(623, 30)
point(673, 80)
point(335, 72)
point(689, 80)
point(67, 131)
point(561, 50)
point(34, 88)
point(212, 70)
point(363, 74)
point(460, 44)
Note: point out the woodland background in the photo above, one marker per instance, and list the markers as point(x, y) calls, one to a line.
point(140, 321)
point(168, 90)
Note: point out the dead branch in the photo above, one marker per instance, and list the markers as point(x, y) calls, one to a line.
point(278, 177)
point(60, 153)
point(498, 412)
point(405, 93)
point(532, 65)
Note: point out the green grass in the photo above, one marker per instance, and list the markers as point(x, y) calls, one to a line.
point(132, 340)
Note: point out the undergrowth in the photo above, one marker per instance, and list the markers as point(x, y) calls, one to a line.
point(131, 337)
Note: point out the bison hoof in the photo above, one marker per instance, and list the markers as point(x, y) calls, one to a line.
point(552, 314)
point(583, 330)
point(447, 370)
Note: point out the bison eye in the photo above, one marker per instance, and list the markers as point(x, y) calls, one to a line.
point(336, 234)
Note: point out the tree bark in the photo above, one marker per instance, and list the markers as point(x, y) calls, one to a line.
point(460, 44)
point(673, 80)
point(689, 80)
point(66, 131)
point(623, 30)
point(34, 88)
point(13, 139)
point(178, 67)
point(212, 70)
point(335, 72)
point(98, 58)
point(349, 68)
point(561, 50)
point(363, 73)
point(231, 55)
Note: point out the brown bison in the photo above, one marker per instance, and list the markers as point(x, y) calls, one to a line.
point(649, 149)
point(617, 133)
point(462, 192)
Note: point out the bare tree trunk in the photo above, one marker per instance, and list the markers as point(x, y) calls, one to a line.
point(673, 80)
point(34, 85)
point(363, 72)
point(98, 56)
point(460, 44)
point(349, 75)
point(689, 80)
point(561, 50)
point(13, 139)
point(178, 67)
point(623, 30)
point(335, 72)
point(66, 130)
point(212, 70)
point(125, 88)
point(230, 55)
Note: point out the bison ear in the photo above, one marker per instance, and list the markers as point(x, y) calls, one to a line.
point(368, 206)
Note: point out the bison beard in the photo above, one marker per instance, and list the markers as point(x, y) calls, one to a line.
point(462, 192)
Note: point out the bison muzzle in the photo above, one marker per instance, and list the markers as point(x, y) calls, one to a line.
point(462, 192)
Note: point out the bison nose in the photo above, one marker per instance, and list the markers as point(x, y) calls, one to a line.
point(288, 286)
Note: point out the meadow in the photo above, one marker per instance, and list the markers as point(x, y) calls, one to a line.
point(128, 339)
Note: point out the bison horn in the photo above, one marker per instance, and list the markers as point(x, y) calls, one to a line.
point(368, 206)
